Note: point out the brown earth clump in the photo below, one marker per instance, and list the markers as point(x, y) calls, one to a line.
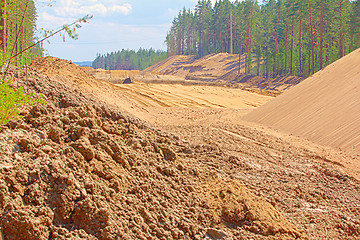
point(234, 205)
point(77, 168)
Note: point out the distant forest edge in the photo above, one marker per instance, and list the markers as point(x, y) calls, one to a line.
point(278, 38)
point(129, 59)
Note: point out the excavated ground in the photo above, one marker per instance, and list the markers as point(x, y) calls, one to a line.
point(221, 68)
point(78, 168)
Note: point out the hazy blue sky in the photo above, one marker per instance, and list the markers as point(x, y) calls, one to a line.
point(117, 24)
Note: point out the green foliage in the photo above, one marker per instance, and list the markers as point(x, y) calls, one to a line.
point(12, 100)
point(129, 59)
point(17, 26)
point(17, 31)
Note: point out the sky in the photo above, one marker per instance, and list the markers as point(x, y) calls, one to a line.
point(116, 25)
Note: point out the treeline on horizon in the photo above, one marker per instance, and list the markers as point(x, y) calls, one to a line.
point(278, 38)
point(12, 13)
point(129, 59)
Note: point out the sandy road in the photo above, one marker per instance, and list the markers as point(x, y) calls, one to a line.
point(175, 95)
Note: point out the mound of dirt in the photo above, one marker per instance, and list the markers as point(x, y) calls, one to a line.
point(233, 205)
point(167, 64)
point(78, 168)
point(324, 108)
point(220, 68)
point(209, 68)
point(57, 67)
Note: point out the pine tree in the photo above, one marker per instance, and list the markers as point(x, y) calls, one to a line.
point(129, 59)
point(286, 34)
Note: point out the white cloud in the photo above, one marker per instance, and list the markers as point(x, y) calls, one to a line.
point(46, 20)
point(75, 8)
point(126, 8)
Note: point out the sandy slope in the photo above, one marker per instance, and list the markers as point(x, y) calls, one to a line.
point(166, 64)
point(220, 68)
point(324, 108)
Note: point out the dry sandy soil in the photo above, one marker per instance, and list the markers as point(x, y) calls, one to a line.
point(324, 108)
point(220, 68)
point(176, 95)
point(163, 162)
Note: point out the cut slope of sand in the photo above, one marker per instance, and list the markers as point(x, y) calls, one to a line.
point(324, 108)
point(218, 68)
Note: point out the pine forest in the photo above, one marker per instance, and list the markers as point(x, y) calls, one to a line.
point(17, 30)
point(129, 59)
point(276, 37)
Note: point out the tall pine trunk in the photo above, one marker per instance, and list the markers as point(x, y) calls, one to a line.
point(258, 61)
point(312, 39)
point(321, 35)
point(231, 34)
point(300, 65)
point(22, 45)
point(276, 48)
point(291, 47)
point(309, 57)
point(16, 44)
point(328, 50)
point(203, 44)
point(239, 59)
point(3, 25)
point(221, 40)
point(341, 53)
point(200, 42)
point(267, 57)
point(250, 42)
point(286, 48)
point(247, 48)
point(240, 48)
point(215, 41)
point(207, 43)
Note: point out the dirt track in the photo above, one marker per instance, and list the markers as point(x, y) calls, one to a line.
point(164, 95)
point(207, 174)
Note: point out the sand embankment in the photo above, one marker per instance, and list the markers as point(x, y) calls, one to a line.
point(324, 108)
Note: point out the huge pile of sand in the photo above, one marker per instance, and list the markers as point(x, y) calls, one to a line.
point(324, 108)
